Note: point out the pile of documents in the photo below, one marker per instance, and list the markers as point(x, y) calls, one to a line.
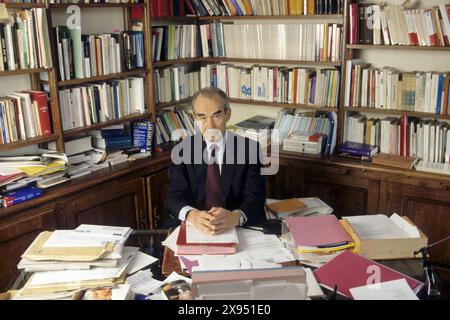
point(253, 250)
point(66, 264)
point(21, 171)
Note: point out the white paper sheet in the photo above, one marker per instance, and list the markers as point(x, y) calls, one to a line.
point(142, 282)
point(171, 240)
point(139, 261)
point(391, 290)
point(407, 227)
point(195, 236)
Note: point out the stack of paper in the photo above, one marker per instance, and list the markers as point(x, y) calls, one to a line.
point(312, 207)
point(65, 262)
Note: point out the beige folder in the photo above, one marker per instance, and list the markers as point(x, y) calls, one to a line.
point(37, 252)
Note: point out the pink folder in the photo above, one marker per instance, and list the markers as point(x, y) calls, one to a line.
point(349, 270)
point(317, 230)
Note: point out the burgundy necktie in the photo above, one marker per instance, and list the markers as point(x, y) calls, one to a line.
point(212, 187)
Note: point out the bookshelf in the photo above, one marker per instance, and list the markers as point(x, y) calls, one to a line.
point(388, 49)
point(54, 84)
point(338, 19)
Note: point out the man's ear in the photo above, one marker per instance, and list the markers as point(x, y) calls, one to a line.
point(228, 114)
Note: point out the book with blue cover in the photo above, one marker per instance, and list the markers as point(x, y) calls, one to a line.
point(143, 136)
point(357, 149)
point(21, 195)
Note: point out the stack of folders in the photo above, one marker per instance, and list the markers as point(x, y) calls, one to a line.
point(64, 264)
point(190, 241)
point(322, 234)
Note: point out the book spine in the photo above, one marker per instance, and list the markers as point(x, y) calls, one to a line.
point(9, 201)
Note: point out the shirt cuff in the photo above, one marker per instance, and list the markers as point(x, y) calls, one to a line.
point(243, 219)
point(184, 211)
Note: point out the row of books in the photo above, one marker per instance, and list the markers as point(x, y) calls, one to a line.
point(83, 56)
point(170, 122)
point(428, 140)
point(175, 84)
point(162, 8)
point(318, 87)
point(306, 42)
point(24, 115)
point(387, 88)
point(100, 102)
point(175, 42)
point(324, 123)
point(399, 25)
point(25, 41)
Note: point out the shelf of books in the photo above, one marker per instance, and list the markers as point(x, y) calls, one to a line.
point(220, 9)
point(403, 114)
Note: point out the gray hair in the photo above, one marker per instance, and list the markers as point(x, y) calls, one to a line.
point(213, 92)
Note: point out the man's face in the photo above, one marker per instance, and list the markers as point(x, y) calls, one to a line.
point(211, 117)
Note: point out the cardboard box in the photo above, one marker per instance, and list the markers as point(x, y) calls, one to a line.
point(385, 249)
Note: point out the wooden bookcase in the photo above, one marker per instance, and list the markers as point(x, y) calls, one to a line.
point(54, 85)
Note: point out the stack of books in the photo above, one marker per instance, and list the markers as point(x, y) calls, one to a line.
point(258, 128)
point(357, 150)
point(301, 142)
point(63, 263)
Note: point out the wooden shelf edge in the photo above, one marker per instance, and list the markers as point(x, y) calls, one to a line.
point(161, 64)
point(23, 71)
point(24, 5)
point(28, 142)
point(102, 78)
point(78, 131)
point(391, 47)
point(337, 17)
point(399, 112)
point(254, 102)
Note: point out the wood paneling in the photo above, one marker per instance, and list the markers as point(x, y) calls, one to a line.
point(16, 234)
point(117, 205)
point(157, 185)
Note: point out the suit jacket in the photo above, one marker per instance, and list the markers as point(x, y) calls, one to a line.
point(241, 183)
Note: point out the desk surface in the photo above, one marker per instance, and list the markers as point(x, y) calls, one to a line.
point(410, 267)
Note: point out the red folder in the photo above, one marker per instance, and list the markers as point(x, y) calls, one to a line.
point(184, 248)
point(349, 270)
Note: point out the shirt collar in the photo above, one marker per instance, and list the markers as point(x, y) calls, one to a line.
point(220, 144)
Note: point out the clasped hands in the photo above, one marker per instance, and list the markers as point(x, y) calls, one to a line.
point(214, 221)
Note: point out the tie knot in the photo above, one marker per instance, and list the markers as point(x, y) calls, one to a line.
point(214, 150)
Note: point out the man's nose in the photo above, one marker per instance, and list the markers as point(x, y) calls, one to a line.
point(210, 123)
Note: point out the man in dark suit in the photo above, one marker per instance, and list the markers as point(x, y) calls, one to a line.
point(215, 177)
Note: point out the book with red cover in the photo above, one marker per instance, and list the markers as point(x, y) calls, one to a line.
point(184, 248)
point(349, 270)
point(44, 117)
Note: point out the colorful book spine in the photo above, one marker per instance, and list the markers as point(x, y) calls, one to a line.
point(21, 195)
